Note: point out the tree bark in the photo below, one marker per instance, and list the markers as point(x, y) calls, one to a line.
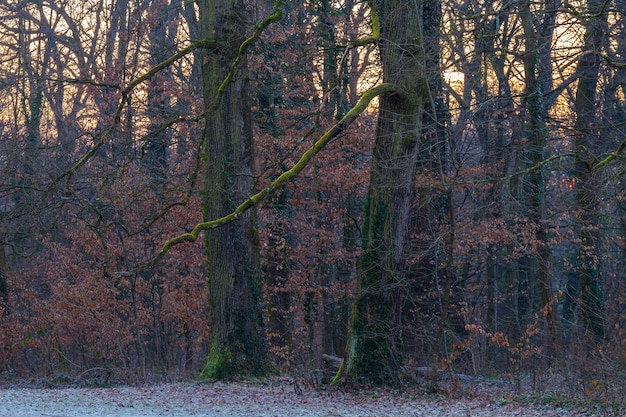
point(536, 58)
point(374, 348)
point(587, 142)
point(238, 345)
point(161, 46)
point(4, 288)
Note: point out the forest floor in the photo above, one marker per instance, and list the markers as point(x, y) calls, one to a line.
point(276, 398)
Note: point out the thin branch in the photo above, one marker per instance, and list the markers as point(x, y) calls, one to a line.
point(582, 15)
point(277, 15)
point(611, 63)
point(84, 81)
point(619, 153)
point(152, 71)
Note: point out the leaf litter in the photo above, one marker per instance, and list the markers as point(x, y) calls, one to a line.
point(251, 399)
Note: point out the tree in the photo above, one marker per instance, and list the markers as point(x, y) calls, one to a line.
point(374, 348)
point(587, 142)
point(159, 22)
point(238, 344)
point(538, 32)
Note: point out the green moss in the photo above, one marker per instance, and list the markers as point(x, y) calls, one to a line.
point(220, 364)
point(252, 233)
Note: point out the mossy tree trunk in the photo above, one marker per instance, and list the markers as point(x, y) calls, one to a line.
point(374, 349)
point(238, 345)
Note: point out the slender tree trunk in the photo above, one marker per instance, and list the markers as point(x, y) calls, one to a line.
point(161, 46)
point(441, 211)
point(269, 89)
point(538, 38)
point(238, 344)
point(335, 309)
point(4, 288)
point(279, 295)
point(615, 113)
point(27, 201)
point(587, 142)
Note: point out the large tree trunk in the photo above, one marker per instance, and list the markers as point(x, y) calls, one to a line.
point(238, 344)
point(374, 350)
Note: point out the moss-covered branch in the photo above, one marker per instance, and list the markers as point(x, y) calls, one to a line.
point(610, 157)
point(611, 63)
point(153, 71)
point(589, 15)
point(285, 177)
point(274, 17)
point(125, 92)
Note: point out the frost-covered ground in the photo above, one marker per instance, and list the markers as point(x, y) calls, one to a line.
point(270, 399)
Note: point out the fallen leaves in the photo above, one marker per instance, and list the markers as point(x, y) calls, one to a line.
point(274, 398)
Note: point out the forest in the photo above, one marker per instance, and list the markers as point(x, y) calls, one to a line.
point(348, 191)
